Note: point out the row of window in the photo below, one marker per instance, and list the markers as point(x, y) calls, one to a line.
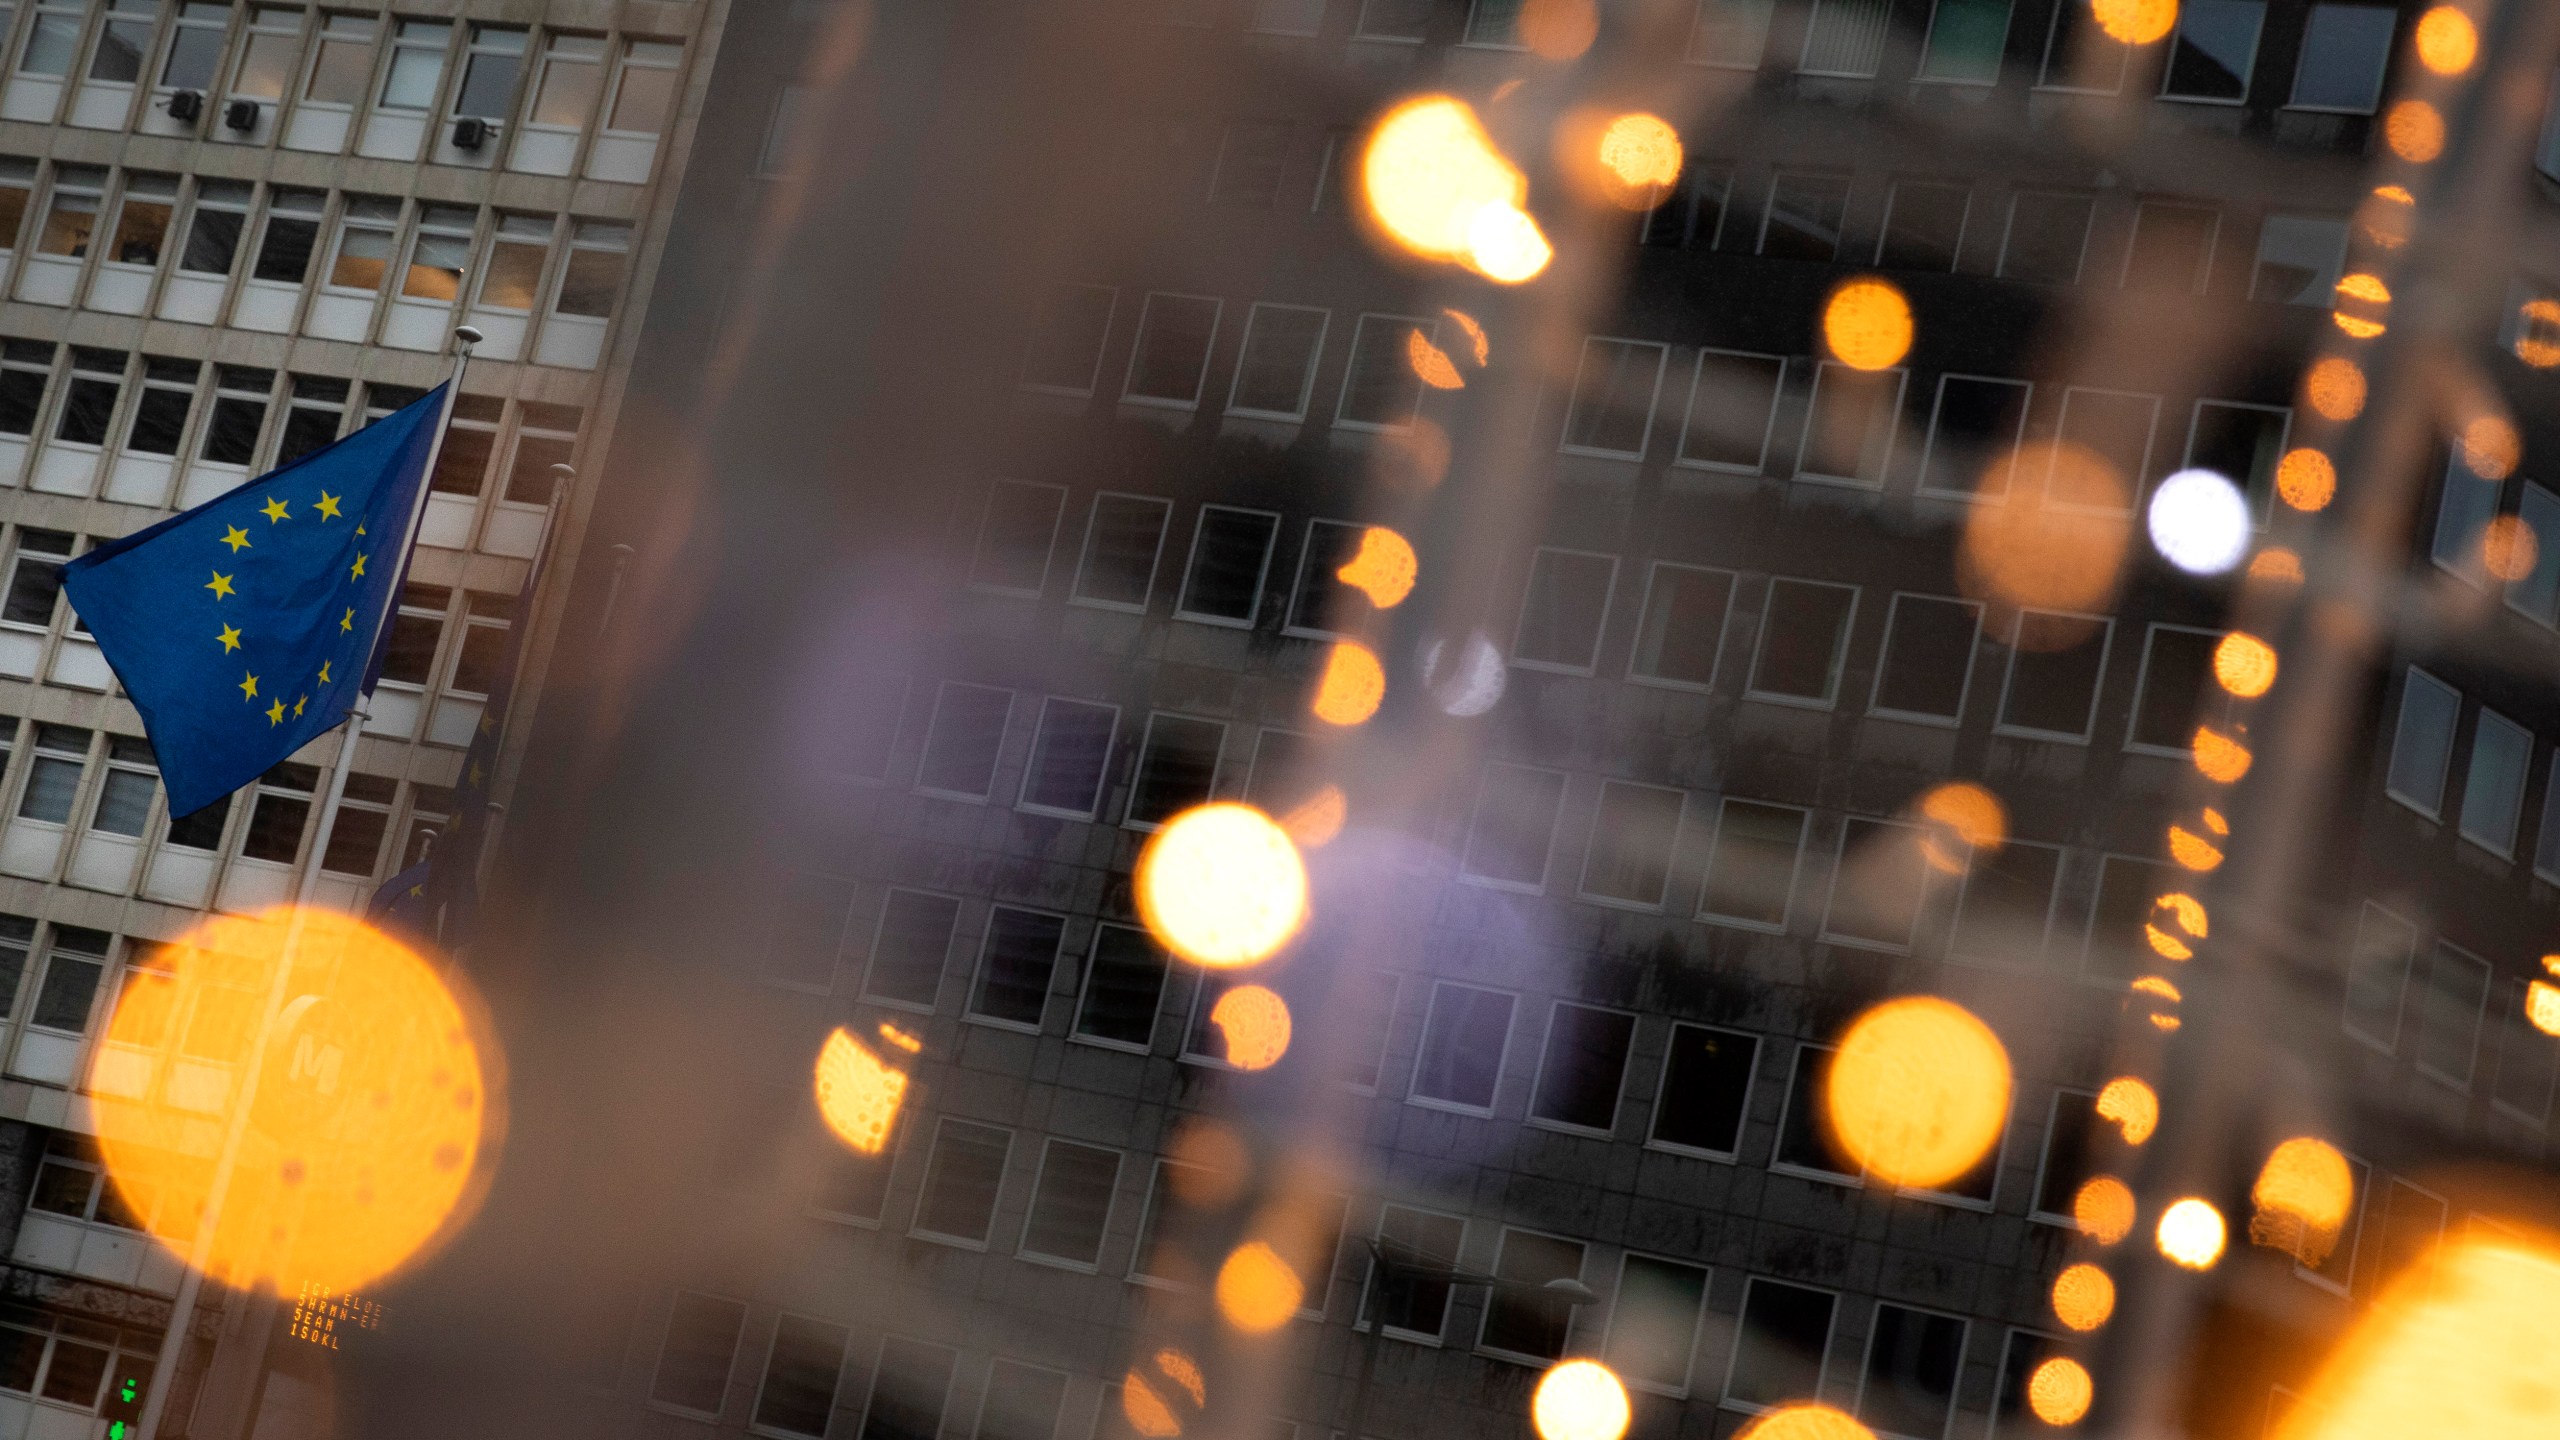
point(501, 270)
point(284, 75)
point(2498, 766)
point(2440, 1026)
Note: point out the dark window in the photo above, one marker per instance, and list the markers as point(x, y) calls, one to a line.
point(909, 1392)
point(2054, 665)
point(1802, 635)
point(1521, 1317)
point(1924, 229)
point(1848, 430)
point(239, 414)
point(1566, 605)
point(1584, 1063)
point(1071, 1203)
point(1683, 627)
point(276, 817)
point(1380, 387)
point(2344, 51)
point(1876, 891)
point(851, 1184)
point(701, 1345)
point(1279, 360)
point(1804, 217)
point(293, 232)
point(1250, 163)
point(1978, 424)
point(1752, 872)
point(2241, 443)
point(1514, 825)
point(2066, 1158)
point(1462, 1045)
point(2172, 249)
point(968, 731)
point(214, 229)
point(203, 829)
point(1653, 1322)
point(71, 974)
point(2047, 234)
point(23, 374)
point(1322, 604)
point(160, 414)
point(2013, 1417)
point(908, 952)
point(1912, 1360)
point(1631, 842)
point(2217, 43)
point(1928, 653)
point(1121, 542)
point(2176, 681)
point(17, 937)
point(1706, 1081)
point(1406, 1300)
point(800, 1376)
point(1123, 987)
point(36, 578)
point(1014, 969)
point(1691, 212)
point(1778, 1354)
point(1014, 539)
point(1069, 755)
point(2007, 907)
point(1804, 1141)
point(1066, 342)
point(1613, 396)
point(959, 1199)
point(2119, 913)
point(1174, 1181)
point(1733, 402)
point(97, 379)
point(1172, 354)
point(1175, 769)
point(1230, 555)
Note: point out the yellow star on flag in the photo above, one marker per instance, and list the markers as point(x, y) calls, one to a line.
point(324, 672)
point(328, 506)
point(230, 638)
point(249, 687)
point(275, 713)
point(236, 538)
point(358, 572)
point(349, 622)
point(274, 509)
point(220, 585)
point(297, 705)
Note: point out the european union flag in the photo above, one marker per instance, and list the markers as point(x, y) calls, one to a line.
point(243, 628)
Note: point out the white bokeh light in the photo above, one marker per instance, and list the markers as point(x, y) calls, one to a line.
point(2200, 522)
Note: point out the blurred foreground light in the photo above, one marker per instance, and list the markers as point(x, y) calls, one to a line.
point(2508, 548)
point(2414, 130)
point(1431, 364)
point(900, 1038)
point(1215, 1163)
point(2191, 1234)
point(1154, 1388)
point(2302, 1198)
point(1918, 1091)
point(1428, 172)
point(2462, 1348)
point(2276, 565)
point(1221, 885)
point(2200, 522)
point(2222, 758)
point(2135, 22)
point(1257, 1291)
point(2491, 447)
point(1352, 686)
point(2387, 216)
point(1318, 818)
point(1559, 29)
point(1972, 813)
point(2021, 552)
point(2131, 1106)
point(363, 1144)
point(1384, 568)
point(2538, 332)
point(2542, 1006)
point(2083, 1296)
point(2059, 1391)
point(1254, 1021)
point(2244, 664)
point(2362, 302)
point(1579, 1400)
point(2306, 479)
point(2335, 387)
point(858, 1094)
point(1867, 324)
point(2447, 40)
point(2105, 1209)
point(1505, 245)
point(1478, 343)
point(1640, 156)
point(2159, 986)
point(1464, 679)
point(1804, 1421)
point(2193, 851)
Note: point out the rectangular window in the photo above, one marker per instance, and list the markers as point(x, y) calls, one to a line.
point(1564, 610)
point(240, 403)
point(1177, 767)
point(2080, 54)
point(491, 66)
point(1705, 1092)
point(1230, 559)
point(1613, 397)
point(35, 576)
point(1779, 1351)
point(142, 219)
point(1690, 211)
point(1071, 1204)
point(1285, 772)
point(1845, 38)
point(1277, 367)
point(25, 367)
point(2065, 1167)
point(1877, 885)
point(1803, 217)
point(1021, 1402)
point(644, 88)
point(124, 795)
point(908, 950)
point(1513, 829)
point(89, 401)
point(1965, 40)
point(2243, 444)
point(2299, 260)
point(1804, 637)
point(69, 990)
point(1924, 222)
point(1380, 390)
point(1015, 965)
point(1849, 424)
point(1405, 1302)
point(1320, 604)
point(700, 1347)
point(159, 419)
point(1633, 833)
point(417, 65)
point(2215, 50)
point(2378, 975)
point(2422, 743)
point(2344, 51)
point(801, 1372)
point(1392, 20)
point(71, 220)
point(53, 779)
point(2450, 1014)
point(1170, 362)
point(214, 227)
point(1913, 1357)
point(2176, 681)
point(1751, 872)
point(1463, 1042)
point(2411, 1228)
point(1123, 989)
point(1377, 1018)
point(1015, 534)
point(1065, 352)
point(1583, 1067)
point(2114, 425)
point(1123, 539)
point(17, 937)
point(960, 1181)
point(2493, 788)
point(2464, 508)
point(2526, 1063)
point(365, 235)
point(1069, 756)
point(1730, 34)
point(2172, 249)
point(1155, 1260)
point(2536, 594)
point(2013, 1414)
point(963, 740)
point(1252, 157)
point(564, 94)
point(1927, 664)
point(1682, 628)
point(2005, 915)
point(1653, 1323)
point(344, 62)
point(1733, 410)
point(2055, 664)
point(2116, 947)
point(2048, 234)
point(1522, 1318)
point(1804, 1143)
point(909, 1391)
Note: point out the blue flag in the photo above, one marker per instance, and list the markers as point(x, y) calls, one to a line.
point(243, 628)
point(401, 904)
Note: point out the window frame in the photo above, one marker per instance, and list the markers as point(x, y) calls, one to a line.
point(666, 1333)
point(2479, 1021)
point(1031, 761)
point(1901, 377)
point(2248, 72)
point(1795, 872)
point(1840, 869)
point(1652, 405)
point(1422, 1050)
point(1973, 495)
point(1839, 666)
point(844, 1351)
point(1084, 552)
point(1671, 857)
point(1680, 457)
point(1137, 347)
point(1662, 1089)
point(1778, 1165)
point(969, 1011)
point(1876, 708)
point(1022, 1244)
point(1725, 1399)
point(2009, 222)
point(1867, 1356)
point(995, 768)
point(2411, 678)
point(2097, 691)
point(1262, 580)
point(1475, 812)
point(995, 1204)
point(1644, 614)
point(2141, 686)
point(1306, 380)
point(2482, 718)
point(1537, 1081)
point(1600, 632)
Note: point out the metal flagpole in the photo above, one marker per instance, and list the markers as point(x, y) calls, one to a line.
point(164, 1372)
point(562, 477)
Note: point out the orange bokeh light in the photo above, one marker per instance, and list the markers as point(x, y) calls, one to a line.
point(2491, 447)
point(1867, 323)
point(1353, 685)
point(2105, 1209)
point(1384, 569)
point(2306, 479)
point(2362, 301)
point(1318, 819)
point(2183, 913)
point(2335, 388)
point(2460, 1347)
point(2191, 1234)
point(1431, 364)
point(2447, 40)
point(2542, 1006)
point(1975, 817)
point(2538, 332)
point(1918, 1091)
point(2222, 758)
point(2277, 565)
point(2131, 1106)
point(1428, 168)
point(2508, 548)
point(2059, 1391)
point(1257, 1291)
point(858, 1093)
point(2084, 1296)
point(1559, 29)
point(2244, 664)
point(2302, 1198)
point(1639, 155)
point(2135, 22)
point(1254, 1021)
point(2021, 552)
point(1804, 1421)
point(2414, 130)
point(1222, 885)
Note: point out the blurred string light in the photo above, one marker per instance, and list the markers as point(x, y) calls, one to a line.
point(912, 1044)
point(1466, 679)
point(2176, 919)
point(858, 1093)
point(2200, 522)
point(1383, 569)
point(2131, 1106)
point(1972, 814)
point(1804, 1421)
point(2244, 664)
point(2387, 216)
point(1222, 885)
point(2059, 1391)
point(1257, 1290)
point(2362, 301)
point(2021, 553)
point(1477, 341)
point(2301, 1200)
point(1559, 29)
point(2277, 565)
point(2190, 1234)
point(2414, 130)
point(2159, 987)
point(1431, 364)
point(2306, 479)
point(1254, 1022)
point(1352, 686)
point(1318, 818)
point(2491, 447)
point(1867, 323)
point(1151, 1390)
point(1504, 244)
point(2463, 1348)
point(2135, 22)
point(2221, 757)
point(2083, 1296)
point(1918, 1091)
point(2538, 332)
point(2542, 999)
point(2105, 1209)
point(1640, 154)
point(1580, 1400)
point(1435, 184)
point(2447, 41)
point(2190, 847)
point(2508, 548)
point(2335, 388)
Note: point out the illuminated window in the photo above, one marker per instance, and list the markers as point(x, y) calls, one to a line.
point(2005, 916)
point(1520, 1320)
point(960, 1182)
point(2055, 661)
point(2047, 234)
point(1320, 604)
point(1924, 222)
point(2422, 744)
point(1751, 872)
point(963, 739)
point(362, 258)
point(1177, 767)
point(1015, 966)
point(1730, 34)
point(2172, 249)
point(1705, 1091)
point(1564, 610)
point(1170, 360)
point(2215, 48)
point(2176, 681)
point(1927, 664)
point(2117, 947)
point(1965, 41)
point(1802, 219)
point(1407, 1304)
point(700, 1347)
point(1913, 1357)
point(1230, 558)
point(1376, 1025)
point(1065, 353)
point(1123, 540)
point(801, 1371)
point(1276, 369)
point(2378, 976)
point(1123, 989)
point(1069, 755)
point(1845, 38)
point(1071, 1203)
point(1021, 1402)
point(1691, 211)
point(1380, 389)
point(2528, 1062)
point(1733, 410)
point(1252, 156)
point(1613, 397)
point(1633, 832)
point(2493, 787)
point(2450, 1012)
point(1582, 1068)
point(1780, 1346)
point(2299, 260)
point(910, 1389)
point(1849, 424)
point(1804, 1143)
point(1512, 832)
point(1683, 625)
point(2012, 1416)
point(2537, 594)
point(1654, 1319)
point(1804, 638)
point(142, 219)
point(1463, 1042)
point(909, 947)
point(2345, 49)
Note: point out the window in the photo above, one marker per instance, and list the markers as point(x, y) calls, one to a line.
point(2546, 844)
point(1803, 218)
point(1848, 427)
point(1683, 625)
point(2537, 594)
point(2080, 54)
point(364, 817)
point(644, 88)
point(1751, 872)
point(142, 219)
point(124, 792)
point(440, 253)
point(2115, 426)
point(417, 65)
point(89, 401)
point(2046, 237)
point(17, 184)
point(1927, 663)
point(462, 466)
point(1416, 1306)
point(1392, 19)
point(2344, 51)
point(1513, 828)
point(1730, 34)
point(2299, 260)
point(960, 1180)
point(17, 937)
point(201, 830)
point(2013, 1414)
point(430, 807)
point(961, 746)
point(1021, 1402)
point(2493, 789)
point(2422, 745)
point(1845, 38)
point(2005, 915)
point(1230, 558)
point(123, 40)
point(1177, 767)
point(25, 367)
point(1584, 1063)
point(1613, 396)
point(1174, 1182)
point(1380, 389)
point(1632, 836)
point(344, 62)
point(2128, 888)
point(908, 950)
point(909, 1390)
point(1068, 757)
point(363, 255)
point(490, 68)
point(1778, 1353)
point(1320, 604)
point(808, 929)
point(700, 1347)
point(2172, 249)
point(1521, 1318)
point(2243, 444)
point(2378, 975)
point(293, 232)
point(1690, 211)
point(1066, 341)
point(1965, 41)
point(1653, 1323)
point(1170, 362)
point(1804, 1144)
point(214, 227)
point(1564, 610)
point(1804, 636)
point(1876, 888)
point(1252, 156)
point(1733, 409)
point(2450, 1013)
point(2177, 670)
point(160, 412)
point(1123, 537)
point(72, 968)
point(2412, 1226)
point(1463, 1042)
point(1377, 1023)
point(53, 778)
point(1015, 964)
point(1277, 368)
point(1909, 1388)
point(1071, 1204)
point(35, 576)
point(2216, 46)
point(2055, 661)
point(1705, 1091)
point(416, 632)
point(1924, 222)
point(2070, 1118)
point(801, 1371)
point(2526, 1062)
point(598, 255)
point(1123, 989)
point(483, 649)
point(546, 435)
point(572, 74)
point(51, 38)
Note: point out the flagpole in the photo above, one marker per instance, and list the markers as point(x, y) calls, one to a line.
point(182, 1307)
point(562, 477)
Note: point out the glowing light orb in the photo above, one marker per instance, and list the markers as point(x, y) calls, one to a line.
point(2244, 664)
point(1149, 1393)
point(1383, 570)
point(365, 1142)
point(2135, 22)
point(2105, 1209)
point(2083, 1296)
point(2193, 851)
point(1255, 1024)
point(1804, 1422)
point(1580, 1400)
point(2491, 447)
point(1221, 885)
point(2021, 550)
point(2335, 388)
point(2222, 758)
point(2131, 1106)
point(2542, 1006)
point(1214, 1163)
point(2276, 564)
point(2200, 522)
point(1476, 338)
point(858, 1094)
point(2538, 332)
point(2059, 1391)
point(1431, 364)
point(2191, 1234)
point(1972, 815)
point(2306, 479)
point(1465, 679)
point(1352, 687)
point(2414, 130)
point(1640, 154)
point(2447, 40)
point(2176, 918)
point(1505, 245)
point(2462, 1347)
point(1559, 29)
point(2301, 1199)
point(1919, 1090)
point(1867, 323)
point(1429, 169)
point(2362, 301)
point(2387, 215)
point(1317, 819)
point(1257, 1291)
point(2508, 548)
